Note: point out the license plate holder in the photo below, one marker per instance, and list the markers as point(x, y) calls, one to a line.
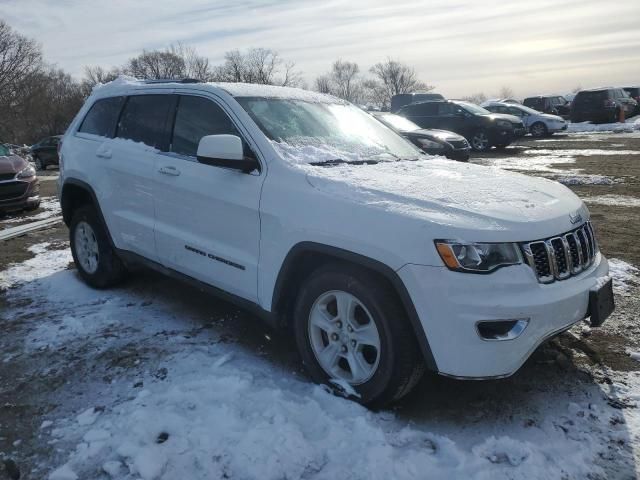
point(601, 303)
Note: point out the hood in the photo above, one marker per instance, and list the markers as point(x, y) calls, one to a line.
point(444, 135)
point(12, 164)
point(555, 118)
point(460, 195)
point(505, 116)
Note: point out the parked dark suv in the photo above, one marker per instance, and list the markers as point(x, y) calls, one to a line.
point(402, 99)
point(553, 104)
point(634, 92)
point(45, 152)
point(482, 128)
point(601, 105)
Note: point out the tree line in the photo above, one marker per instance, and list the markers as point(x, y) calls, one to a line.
point(38, 99)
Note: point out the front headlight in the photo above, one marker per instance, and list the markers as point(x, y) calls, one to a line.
point(424, 143)
point(27, 172)
point(477, 257)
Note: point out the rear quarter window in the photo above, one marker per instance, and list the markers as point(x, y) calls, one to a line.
point(102, 117)
point(145, 119)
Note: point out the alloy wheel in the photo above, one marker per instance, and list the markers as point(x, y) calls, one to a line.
point(480, 141)
point(344, 337)
point(86, 246)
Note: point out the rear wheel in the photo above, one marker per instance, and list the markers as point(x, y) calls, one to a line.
point(92, 253)
point(539, 130)
point(480, 141)
point(354, 336)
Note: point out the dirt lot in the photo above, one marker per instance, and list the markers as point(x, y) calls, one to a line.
point(106, 368)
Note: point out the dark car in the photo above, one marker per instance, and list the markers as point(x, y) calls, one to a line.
point(433, 142)
point(402, 99)
point(45, 152)
point(634, 92)
point(19, 186)
point(480, 127)
point(553, 104)
point(601, 105)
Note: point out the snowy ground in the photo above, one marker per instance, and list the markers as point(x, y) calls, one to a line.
point(155, 380)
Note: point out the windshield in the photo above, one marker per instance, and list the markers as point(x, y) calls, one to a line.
point(313, 132)
point(473, 108)
point(4, 151)
point(399, 123)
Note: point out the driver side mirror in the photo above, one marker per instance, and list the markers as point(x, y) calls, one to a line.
point(225, 151)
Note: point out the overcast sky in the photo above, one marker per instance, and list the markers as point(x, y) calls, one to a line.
point(460, 46)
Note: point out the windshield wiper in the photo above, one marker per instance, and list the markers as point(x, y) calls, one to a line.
point(340, 161)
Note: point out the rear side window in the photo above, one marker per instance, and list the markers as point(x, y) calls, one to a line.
point(145, 118)
point(198, 117)
point(418, 109)
point(591, 97)
point(102, 117)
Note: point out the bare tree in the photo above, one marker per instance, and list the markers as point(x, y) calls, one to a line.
point(195, 65)
point(344, 80)
point(506, 92)
point(156, 64)
point(95, 75)
point(257, 65)
point(476, 98)
point(397, 78)
point(323, 84)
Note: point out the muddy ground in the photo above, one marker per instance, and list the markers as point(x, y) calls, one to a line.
point(33, 384)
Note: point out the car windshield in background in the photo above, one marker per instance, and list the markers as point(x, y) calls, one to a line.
point(399, 123)
point(473, 108)
point(4, 151)
point(312, 132)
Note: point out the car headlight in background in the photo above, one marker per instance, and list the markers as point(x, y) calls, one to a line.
point(477, 257)
point(27, 172)
point(424, 143)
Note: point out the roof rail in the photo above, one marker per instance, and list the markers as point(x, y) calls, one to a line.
point(173, 80)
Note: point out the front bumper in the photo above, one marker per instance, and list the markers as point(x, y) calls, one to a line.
point(19, 194)
point(450, 304)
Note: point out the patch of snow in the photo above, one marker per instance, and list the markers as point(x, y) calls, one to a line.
point(630, 125)
point(613, 200)
point(42, 265)
point(531, 163)
point(46, 424)
point(305, 150)
point(625, 276)
point(580, 152)
point(63, 473)
point(585, 179)
point(88, 417)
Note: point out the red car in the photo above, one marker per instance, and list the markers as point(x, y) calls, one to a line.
point(19, 186)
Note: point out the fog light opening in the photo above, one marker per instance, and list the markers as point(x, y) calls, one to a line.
point(498, 330)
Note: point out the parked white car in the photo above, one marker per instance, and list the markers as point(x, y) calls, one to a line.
point(538, 124)
point(309, 212)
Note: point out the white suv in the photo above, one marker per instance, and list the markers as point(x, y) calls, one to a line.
point(315, 216)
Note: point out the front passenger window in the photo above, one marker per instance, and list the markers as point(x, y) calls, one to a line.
point(198, 117)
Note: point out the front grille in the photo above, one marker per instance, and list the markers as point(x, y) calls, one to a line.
point(560, 257)
point(12, 190)
point(7, 176)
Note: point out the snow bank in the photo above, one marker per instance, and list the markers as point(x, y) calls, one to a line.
point(625, 276)
point(613, 200)
point(42, 265)
point(222, 411)
point(630, 125)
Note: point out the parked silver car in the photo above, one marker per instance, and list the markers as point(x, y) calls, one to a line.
point(538, 124)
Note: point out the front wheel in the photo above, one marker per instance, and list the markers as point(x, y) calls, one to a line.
point(539, 130)
point(354, 336)
point(480, 141)
point(92, 253)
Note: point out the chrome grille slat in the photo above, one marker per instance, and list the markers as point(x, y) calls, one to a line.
point(558, 258)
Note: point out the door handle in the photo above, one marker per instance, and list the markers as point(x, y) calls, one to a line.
point(173, 171)
point(103, 153)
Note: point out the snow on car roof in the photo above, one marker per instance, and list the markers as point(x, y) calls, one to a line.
point(124, 82)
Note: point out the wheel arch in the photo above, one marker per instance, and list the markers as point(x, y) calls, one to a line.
point(76, 193)
point(304, 257)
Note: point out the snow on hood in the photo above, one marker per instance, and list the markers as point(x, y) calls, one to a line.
point(444, 191)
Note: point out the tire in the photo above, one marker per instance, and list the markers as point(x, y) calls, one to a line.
point(480, 141)
point(539, 130)
point(92, 253)
point(39, 163)
point(388, 372)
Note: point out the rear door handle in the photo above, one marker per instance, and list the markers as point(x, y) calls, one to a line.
point(168, 170)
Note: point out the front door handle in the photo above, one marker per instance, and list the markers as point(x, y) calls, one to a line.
point(173, 171)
